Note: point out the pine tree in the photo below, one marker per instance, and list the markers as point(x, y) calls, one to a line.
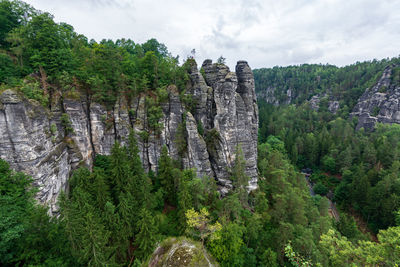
point(101, 190)
point(185, 201)
point(139, 184)
point(147, 236)
point(166, 175)
point(119, 170)
point(239, 177)
point(135, 162)
point(126, 213)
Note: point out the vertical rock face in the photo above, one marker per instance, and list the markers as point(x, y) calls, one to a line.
point(223, 116)
point(235, 119)
point(31, 141)
point(380, 103)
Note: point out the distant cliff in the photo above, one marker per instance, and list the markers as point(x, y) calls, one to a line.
point(381, 102)
point(204, 133)
point(333, 88)
point(368, 90)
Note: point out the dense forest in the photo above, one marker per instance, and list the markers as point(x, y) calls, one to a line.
point(116, 213)
point(344, 84)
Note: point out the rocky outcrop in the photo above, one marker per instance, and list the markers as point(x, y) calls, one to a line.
point(235, 120)
point(269, 96)
point(32, 140)
point(50, 144)
point(380, 103)
point(180, 252)
point(332, 105)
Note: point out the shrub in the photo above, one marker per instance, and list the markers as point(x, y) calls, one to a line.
point(320, 189)
point(66, 123)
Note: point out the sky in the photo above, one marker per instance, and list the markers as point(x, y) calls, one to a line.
point(265, 33)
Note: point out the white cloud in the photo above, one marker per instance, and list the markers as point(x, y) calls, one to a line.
point(265, 33)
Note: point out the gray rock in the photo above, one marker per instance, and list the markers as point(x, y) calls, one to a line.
point(380, 103)
point(33, 139)
point(180, 252)
point(314, 102)
point(333, 106)
point(10, 97)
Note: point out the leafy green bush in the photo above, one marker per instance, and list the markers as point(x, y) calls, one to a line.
point(320, 189)
point(8, 70)
point(66, 123)
point(329, 164)
point(31, 89)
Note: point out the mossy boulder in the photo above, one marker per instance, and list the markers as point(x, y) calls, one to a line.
point(174, 252)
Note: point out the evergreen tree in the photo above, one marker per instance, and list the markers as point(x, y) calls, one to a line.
point(166, 176)
point(121, 175)
point(185, 201)
point(239, 177)
point(147, 236)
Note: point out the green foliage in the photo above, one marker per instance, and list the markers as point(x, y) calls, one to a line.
point(100, 211)
point(221, 60)
point(27, 233)
point(329, 163)
point(212, 138)
point(181, 137)
point(276, 144)
point(294, 258)
point(364, 253)
point(200, 128)
point(166, 176)
point(32, 90)
point(239, 178)
point(199, 224)
point(53, 129)
point(32, 42)
point(66, 123)
point(8, 70)
point(226, 245)
point(289, 210)
point(348, 227)
point(346, 84)
point(154, 115)
point(320, 189)
point(147, 236)
point(375, 111)
point(359, 164)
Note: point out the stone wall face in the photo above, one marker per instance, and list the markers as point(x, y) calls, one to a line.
point(380, 103)
point(33, 138)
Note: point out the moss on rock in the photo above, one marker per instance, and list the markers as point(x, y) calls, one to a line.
point(180, 252)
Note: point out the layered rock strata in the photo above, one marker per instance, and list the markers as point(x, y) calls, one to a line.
point(49, 144)
point(380, 103)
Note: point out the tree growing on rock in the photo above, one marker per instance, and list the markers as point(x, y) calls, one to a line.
point(199, 224)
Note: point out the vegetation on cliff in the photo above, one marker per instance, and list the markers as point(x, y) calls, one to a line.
point(296, 84)
point(56, 58)
point(116, 214)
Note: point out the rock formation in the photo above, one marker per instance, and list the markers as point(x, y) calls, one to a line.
point(180, 252)
point(49, 144)
point(380, 103)
point(269, 96)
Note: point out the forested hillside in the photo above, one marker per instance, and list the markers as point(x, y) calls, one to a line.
point(118, 211)
point(296, 84)
point(355, 168)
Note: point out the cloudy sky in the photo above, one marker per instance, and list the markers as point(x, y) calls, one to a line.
point(266, 33)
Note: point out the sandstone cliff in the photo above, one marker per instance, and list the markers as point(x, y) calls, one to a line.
point(50, 143)
point(380, 103)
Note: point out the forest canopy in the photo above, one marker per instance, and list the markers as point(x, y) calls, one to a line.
point(116, 213)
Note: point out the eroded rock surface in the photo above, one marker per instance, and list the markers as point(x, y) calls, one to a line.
point(380, 103)
point(223, 117)
point(175, 252)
